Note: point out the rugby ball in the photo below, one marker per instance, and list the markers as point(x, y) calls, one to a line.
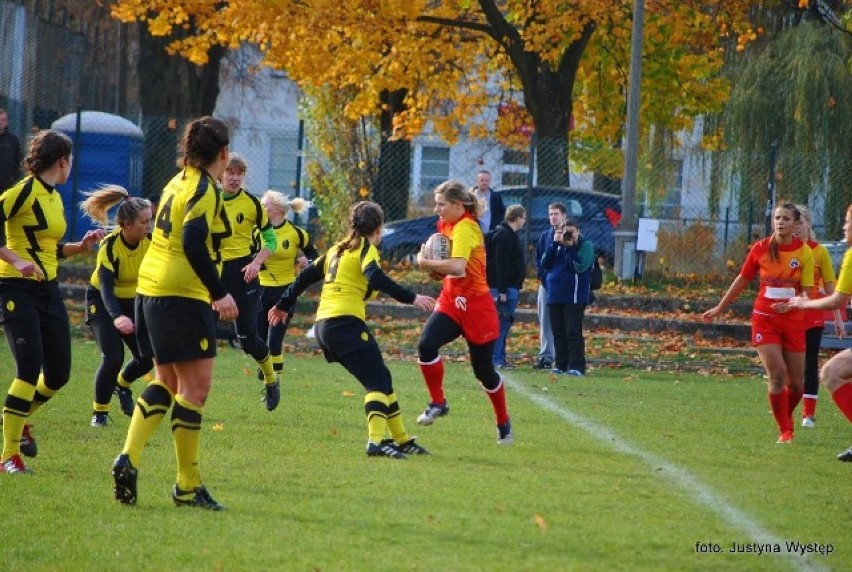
point(438, 247)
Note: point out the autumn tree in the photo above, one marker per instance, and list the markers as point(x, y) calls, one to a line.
point(453, 63)
point(793, 96)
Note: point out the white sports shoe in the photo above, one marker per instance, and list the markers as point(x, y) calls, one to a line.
point(808, 422)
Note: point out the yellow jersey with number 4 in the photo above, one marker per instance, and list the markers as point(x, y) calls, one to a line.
point(191, 196)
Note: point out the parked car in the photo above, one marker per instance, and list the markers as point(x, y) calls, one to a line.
point(597, 214)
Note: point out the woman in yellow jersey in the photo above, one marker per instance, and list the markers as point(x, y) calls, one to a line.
point(465, 308)
point(31, 309)
point(178, 295)
point(785, 266)
point(242, 259)
point(293, 250)
point(111, 294)
point(815, 321)
point(351, 275)
point(836, 373)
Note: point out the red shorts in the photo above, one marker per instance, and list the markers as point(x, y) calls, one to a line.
point(475, 315)
point(815, 319)
point(778, 330)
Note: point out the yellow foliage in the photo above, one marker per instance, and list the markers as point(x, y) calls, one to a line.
point(451, 58)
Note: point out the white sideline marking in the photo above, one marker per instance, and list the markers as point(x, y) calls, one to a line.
point(699, 491)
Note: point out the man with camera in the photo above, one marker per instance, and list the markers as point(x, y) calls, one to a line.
point(567, 264)
point(556, 214)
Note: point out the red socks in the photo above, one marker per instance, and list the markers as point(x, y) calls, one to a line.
point(809, 406)
point(433, 375)
point(793, 399)
point(498, 402)
point(843, 398)
point(779, 402)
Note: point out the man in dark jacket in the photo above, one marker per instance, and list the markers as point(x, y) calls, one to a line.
point(10, 154)
point(556, 214)
point(505, 270)
point(494, 210)
point(568, 263)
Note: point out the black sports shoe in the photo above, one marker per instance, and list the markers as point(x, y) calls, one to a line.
point(272, 395)
point(100, 419)
point(124, 474)
point(504, 433)
point(199, 498)
point(409, 447)
point(543, 363)
point(125, 399)
point(29, 448)
point(432, 412)
point(384, 449)
point(845, 456)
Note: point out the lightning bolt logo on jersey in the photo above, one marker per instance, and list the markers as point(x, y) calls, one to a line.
point(34, 218)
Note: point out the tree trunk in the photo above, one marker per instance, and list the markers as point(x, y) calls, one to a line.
point(173, 92)
point(391, 190)
point(548, 96)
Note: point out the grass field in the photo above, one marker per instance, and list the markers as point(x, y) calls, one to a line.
point(621, 470)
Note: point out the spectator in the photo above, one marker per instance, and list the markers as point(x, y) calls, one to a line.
point(493, 210)
point(506, 270)
point(568, 263)
point(556, 213)
point(10, 154)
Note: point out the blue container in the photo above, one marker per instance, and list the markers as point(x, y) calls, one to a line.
point(107, 150)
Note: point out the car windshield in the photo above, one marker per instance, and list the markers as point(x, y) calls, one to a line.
point(541, 202)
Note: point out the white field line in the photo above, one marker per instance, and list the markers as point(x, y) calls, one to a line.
point(695, 489)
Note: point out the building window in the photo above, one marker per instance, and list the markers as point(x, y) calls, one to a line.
point(515, 168)
point(283, 162)
point(434, 167)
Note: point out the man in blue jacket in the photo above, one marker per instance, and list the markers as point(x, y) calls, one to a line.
point(567, 262)
point(556, 214)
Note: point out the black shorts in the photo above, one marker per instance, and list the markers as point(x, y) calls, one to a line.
point(235, 282)
point(96, 309)
point(340, 336)
point(24, 297)
point(174, 329)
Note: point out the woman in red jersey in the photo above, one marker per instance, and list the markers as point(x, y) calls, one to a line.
point(785, 266)
point(465, 308)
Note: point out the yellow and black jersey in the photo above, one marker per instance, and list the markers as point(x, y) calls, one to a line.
point(122, 260)
point(245, 213)
point(190, 203)
point(349, 280)
point(345, 289)
point(34, 220)
point(279, 269)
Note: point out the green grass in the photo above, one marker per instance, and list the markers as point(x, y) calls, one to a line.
point(605, 474)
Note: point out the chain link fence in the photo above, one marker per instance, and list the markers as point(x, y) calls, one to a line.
point(711, 205)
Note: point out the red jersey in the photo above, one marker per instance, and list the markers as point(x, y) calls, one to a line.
point(468, 243)
point(780, 279)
